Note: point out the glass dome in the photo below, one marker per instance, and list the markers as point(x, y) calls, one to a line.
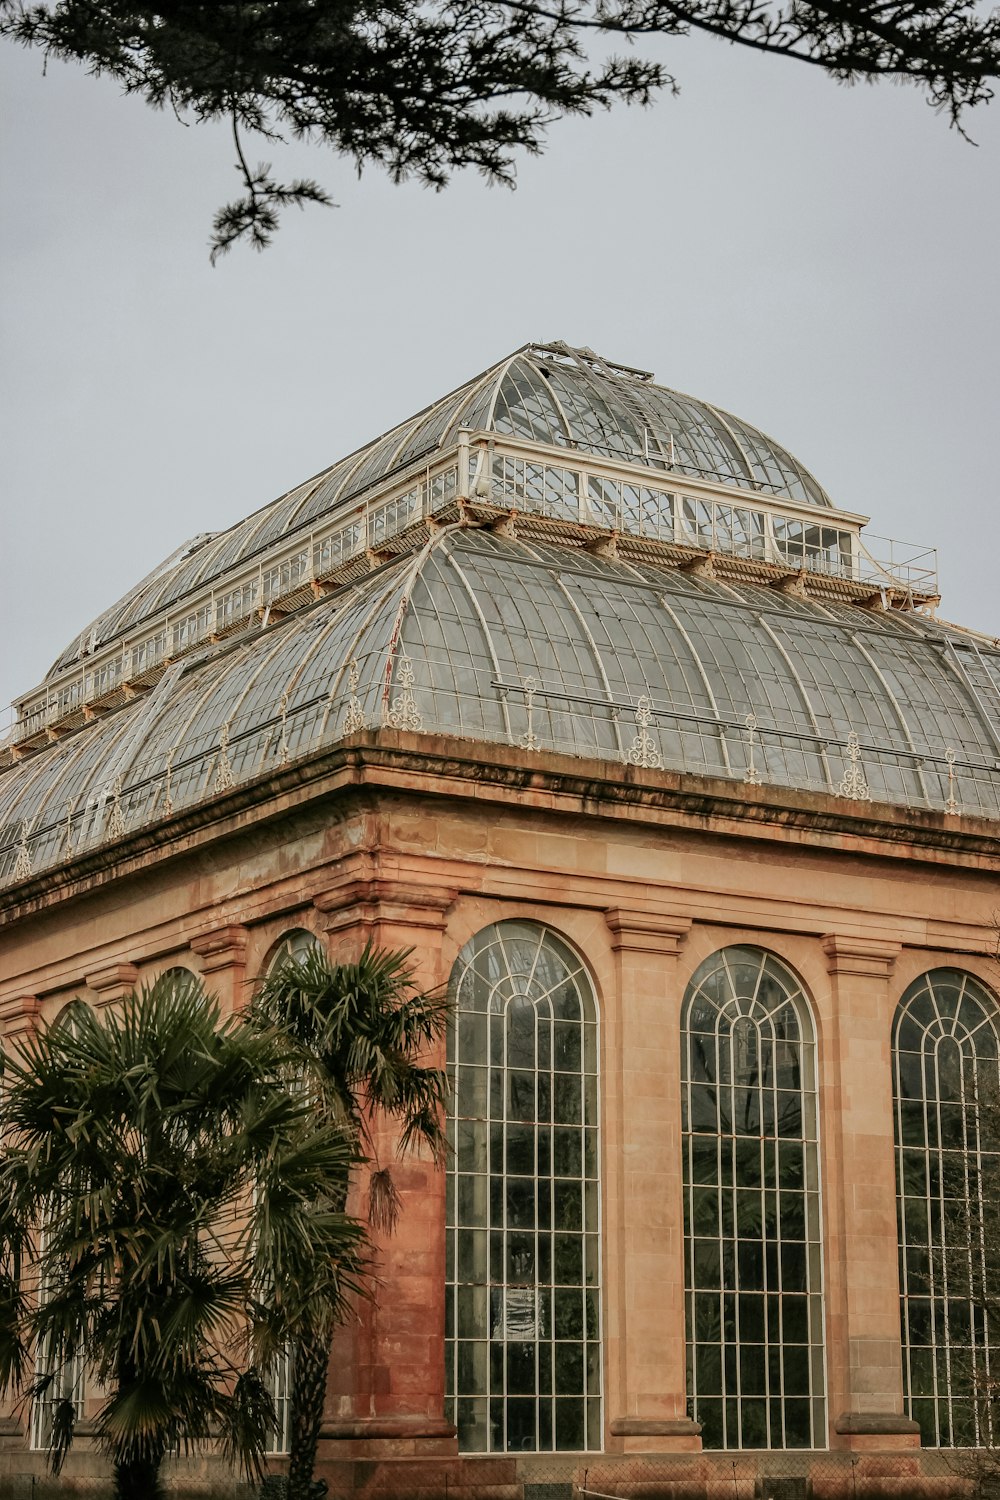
point(549, 394)
point(541, 648)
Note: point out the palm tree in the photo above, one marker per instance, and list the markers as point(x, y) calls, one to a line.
point(173, 1203)
point(359, 1031)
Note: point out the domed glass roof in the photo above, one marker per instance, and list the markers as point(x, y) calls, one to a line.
point(540, 648)
point(549, 394)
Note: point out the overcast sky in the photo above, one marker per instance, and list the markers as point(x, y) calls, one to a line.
point(822, 261)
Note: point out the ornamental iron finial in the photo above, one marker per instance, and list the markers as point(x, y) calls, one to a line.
point(22, 864)
point(354, 719)
point(529, 740)
point(403, 711)
point(283, 741)
point(224, 778)
point(643, 751)
point(853, 784)
point(951, 806)
point(752, 777)
point(168, 776)
point(116, 822)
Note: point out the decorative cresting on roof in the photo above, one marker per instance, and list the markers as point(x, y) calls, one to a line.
point(544, 648)
point(548, 393)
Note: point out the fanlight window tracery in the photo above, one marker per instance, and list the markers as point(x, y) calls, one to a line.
point(523, 1321)
point(753, 1259)
point(946, 1039)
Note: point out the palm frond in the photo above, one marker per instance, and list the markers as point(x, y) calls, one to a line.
point(63, 1429)
point(192, 1201)
point(383, 1201)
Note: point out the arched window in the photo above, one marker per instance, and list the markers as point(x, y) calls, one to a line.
point(180, 980)
point(945, 1077)
point(295, 945)
point(753, 1258)
point(71, 1016)
point(69, 1380)
point(523, 1323)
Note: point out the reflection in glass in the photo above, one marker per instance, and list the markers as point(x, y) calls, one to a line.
point(523, 1313)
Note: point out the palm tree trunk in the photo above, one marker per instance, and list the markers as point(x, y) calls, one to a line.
point(138, 1480)
point(309, 1369)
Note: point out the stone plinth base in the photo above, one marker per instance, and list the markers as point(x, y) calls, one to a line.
point(388, 1438)
point(657, 1434)
point(875, 1432)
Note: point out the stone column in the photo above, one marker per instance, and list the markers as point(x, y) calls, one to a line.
point(651, 1414)
point(223, 954)
point(865, 1358)
point(386, 1391)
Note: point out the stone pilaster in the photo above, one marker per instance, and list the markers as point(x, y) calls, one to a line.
point(648, 1411)
point(19, 1017)
point(223, 954)
point(866, 1396)
point(386, 1392)
point(113, 982)
point(388, 913)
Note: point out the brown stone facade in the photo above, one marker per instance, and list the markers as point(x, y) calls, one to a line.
point(420, 842)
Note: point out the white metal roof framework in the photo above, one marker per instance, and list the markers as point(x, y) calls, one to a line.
point(559, 556)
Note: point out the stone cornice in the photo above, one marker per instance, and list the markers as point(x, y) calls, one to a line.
point(861, 956)
point(378, 761)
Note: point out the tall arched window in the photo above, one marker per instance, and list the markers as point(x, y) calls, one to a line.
point(523, 1304)
point(753, 1257)
point(945, 1045)
point(297, 944)
point(69, 1383)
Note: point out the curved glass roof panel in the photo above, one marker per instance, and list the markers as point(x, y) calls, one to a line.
point(312, 500)
point(206, 564)
point(525, 407)
point(476, 413)
point(540, 647)
point(137, 597)
point(594, 424)
point(549, 394)
point(427, 434)
point(778, 471)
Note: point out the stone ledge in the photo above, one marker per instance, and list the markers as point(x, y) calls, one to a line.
point(655, 1427)
point(388, 1427)
point(874, 1424)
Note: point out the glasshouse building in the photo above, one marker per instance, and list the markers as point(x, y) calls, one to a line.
point(587, 693)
